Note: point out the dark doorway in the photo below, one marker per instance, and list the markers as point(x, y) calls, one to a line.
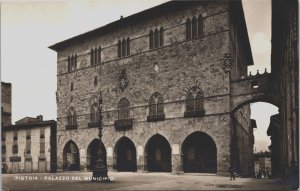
point(199, 153)
point(92, 151)
point(126, 155)
point(158, 151)
point(71, 157)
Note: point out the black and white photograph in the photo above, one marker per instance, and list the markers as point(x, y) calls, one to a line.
point(149, 95)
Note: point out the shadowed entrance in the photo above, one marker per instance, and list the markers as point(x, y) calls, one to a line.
point(199, 153)
point(71, 157)
point(158, 151)
point(92, 153)
point(125, 153)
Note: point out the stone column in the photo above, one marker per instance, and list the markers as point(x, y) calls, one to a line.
point(109, 159)
point(141, 160)
point(176, 159)
point(82, 160)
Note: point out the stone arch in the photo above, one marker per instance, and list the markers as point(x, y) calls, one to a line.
point(199, 153)
point(71, 159)
point(92, 153)
point(247, 100)
point(125, 157)
point(158, 154)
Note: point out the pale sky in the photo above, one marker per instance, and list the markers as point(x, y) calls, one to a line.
point(29, 27)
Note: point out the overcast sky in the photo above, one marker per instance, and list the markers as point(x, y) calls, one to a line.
point(29, 27)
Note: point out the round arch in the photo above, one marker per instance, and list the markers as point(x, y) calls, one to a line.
point(71, 160)
point(266, 99)
point(199, 153)
point(158, 154)
point(125, 155)
point(92, 153)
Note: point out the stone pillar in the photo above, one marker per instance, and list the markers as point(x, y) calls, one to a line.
point(109, 159)
point(59, 163)
point(141, 160)
point(82, 160)
point(176, 159)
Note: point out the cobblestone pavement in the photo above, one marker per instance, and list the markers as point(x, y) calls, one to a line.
point(73, 181)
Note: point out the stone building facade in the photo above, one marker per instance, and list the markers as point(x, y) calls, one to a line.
point(163, 77)
point(29, 146)
point(5, 104)
point(285, 73)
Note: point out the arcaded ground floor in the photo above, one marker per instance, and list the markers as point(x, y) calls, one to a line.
point(136, 181)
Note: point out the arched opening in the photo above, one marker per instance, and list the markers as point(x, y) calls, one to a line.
point(252, 151)
point(92, 153)
point(125, 154)
point(199, 153)
point(158, 152)
point(71, 160)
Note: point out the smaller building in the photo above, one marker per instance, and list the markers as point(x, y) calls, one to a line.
point(262, 163)
point(29, 146)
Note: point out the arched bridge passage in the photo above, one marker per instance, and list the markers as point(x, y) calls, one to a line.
point(257, 88)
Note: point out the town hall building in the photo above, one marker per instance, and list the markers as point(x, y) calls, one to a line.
point(165, 77)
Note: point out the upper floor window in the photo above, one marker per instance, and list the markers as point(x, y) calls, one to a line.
point(95, 56)
point(124, 109)
point(72, 119)
point(15, 149)
point(15, 136)
point(194, 103)
point(156, 108)
point(95, 114)
point(156, 38)
point(124, 48)
point(156, 104)
point(194, 28)
point(72, 63)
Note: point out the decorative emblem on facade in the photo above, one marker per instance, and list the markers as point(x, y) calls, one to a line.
point(227, 63)
point(123, 79)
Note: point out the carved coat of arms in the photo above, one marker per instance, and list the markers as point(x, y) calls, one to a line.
point(123, 82)
point(227, 62)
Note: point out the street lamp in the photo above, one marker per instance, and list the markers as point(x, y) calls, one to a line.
point(100, 168)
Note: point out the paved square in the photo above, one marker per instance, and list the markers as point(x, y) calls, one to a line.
point(135, 181)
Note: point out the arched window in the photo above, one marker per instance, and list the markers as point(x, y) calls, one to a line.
point(151, 39)
point(69, 64)
point(119, 49)
point(194, 27)
point(200, 26)
point(194, 103)
point(156, 108)
point(124, 109)
point(92, 57)
point(123, 48)
point(161, 37)
point(156, 38)
point(128, 46)
point(94, 116)
point(99, 55)
point(75, 62)
point(72, 119)
point(188, 29)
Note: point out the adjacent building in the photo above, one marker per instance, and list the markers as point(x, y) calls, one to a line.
point(285, 73)
point(29, 146)
point(163, 78)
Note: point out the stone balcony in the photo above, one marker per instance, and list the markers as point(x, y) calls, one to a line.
point(123, 124)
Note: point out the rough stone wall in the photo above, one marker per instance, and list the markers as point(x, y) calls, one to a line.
point(243, 142)
point(180, 65)
point(6, 103)
point(35, 148)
